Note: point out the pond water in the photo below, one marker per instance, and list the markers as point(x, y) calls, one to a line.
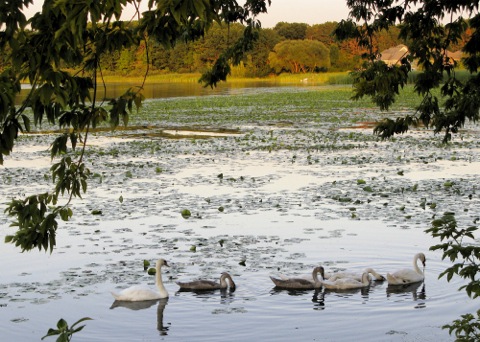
point(255, 213)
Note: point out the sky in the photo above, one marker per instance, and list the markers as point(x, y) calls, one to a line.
point(304, 11)
point(291, 11)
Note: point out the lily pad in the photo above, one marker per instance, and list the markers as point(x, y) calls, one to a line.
point(186, 213)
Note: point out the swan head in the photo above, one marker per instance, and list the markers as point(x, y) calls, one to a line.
point(377, 277)
point(225, 275)
point(423, 259)
point(321, 270)
point(162, 262)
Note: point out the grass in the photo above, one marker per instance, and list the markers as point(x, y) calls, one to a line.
point(285, 78)
point(317, 78)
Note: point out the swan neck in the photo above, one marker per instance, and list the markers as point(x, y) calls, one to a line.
point(415, 264)
point(372, 272)
point(223, 283)
point(315, 274)
point(158, 277)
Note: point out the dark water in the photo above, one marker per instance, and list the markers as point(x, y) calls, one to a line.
point(167, 90)
point(184, 89)
point(278, 217)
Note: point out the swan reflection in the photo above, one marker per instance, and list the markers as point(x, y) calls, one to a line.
point(290, 292)
point(364, 291)
point(160, 308)
point(319, 300)
point(413, 289)
point(145, 304)
point(224, 293)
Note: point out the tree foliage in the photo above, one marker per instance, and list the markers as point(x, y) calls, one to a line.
point(458, 245)
point(197, 56)
point(291, 31)
point(429, 28)
point(80, 35)
point(299, 56)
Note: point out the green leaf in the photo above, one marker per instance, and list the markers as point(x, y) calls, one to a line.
point(52, 332)
point(62, 325)
point(81, 320)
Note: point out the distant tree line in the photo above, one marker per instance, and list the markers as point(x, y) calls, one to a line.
point(288, 47)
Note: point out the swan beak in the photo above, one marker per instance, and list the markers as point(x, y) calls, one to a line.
point(165, 263)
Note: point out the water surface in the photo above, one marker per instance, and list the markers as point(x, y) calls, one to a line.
point(255, 213)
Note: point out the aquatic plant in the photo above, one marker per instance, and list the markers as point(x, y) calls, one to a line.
point(65, 332)
point(186, 213)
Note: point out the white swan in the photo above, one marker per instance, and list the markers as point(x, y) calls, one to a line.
point(346, 283)
point(356, 276)
point(140, 292)
point(300, 283)
point(408, 276)
point(199, 285)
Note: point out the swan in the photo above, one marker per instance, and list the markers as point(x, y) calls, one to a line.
point(408, 276)
point(356, 276)
point(140, 292)
point(337, 275)
point(199, 285)
point(346, 283)
point(300, 283)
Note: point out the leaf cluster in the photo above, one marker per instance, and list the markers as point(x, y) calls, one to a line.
point(455, 248)
point(429, 28)
point(466, 264)
point(36, 221)
point(59, 52)
point(65, 332)
point(466, 329)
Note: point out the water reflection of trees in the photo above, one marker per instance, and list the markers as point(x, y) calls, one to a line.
point(145, 304)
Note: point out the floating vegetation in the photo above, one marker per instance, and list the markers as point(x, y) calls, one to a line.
point(265, 176)
point(186, 213)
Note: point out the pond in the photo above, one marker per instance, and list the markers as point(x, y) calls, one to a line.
point(279, 194)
